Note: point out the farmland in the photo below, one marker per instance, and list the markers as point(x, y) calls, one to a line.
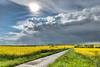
point(14, 55)
point(79, 57)
point(88, 51)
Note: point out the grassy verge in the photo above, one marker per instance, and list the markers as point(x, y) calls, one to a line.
point(97, 61)
point(72, 59)
point(11, 61)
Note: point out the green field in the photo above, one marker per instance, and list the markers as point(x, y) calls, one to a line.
point(11, 56)
point(11, 61)
point(73, 59)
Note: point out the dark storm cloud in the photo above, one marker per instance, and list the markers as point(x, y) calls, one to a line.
point(71, 27)
point(59, 21)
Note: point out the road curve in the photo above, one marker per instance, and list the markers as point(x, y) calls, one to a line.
point(43, 62)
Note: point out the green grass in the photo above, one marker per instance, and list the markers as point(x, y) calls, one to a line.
point(11, 61)
point(97, 61)
point(72, 59)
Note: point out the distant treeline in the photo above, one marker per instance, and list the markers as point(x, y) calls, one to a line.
point(87, 46)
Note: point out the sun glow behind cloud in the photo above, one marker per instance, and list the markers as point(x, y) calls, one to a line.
point(34, 7)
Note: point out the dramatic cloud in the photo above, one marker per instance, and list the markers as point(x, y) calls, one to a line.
point(61, 5)
point(70, 27)
point(58, 21)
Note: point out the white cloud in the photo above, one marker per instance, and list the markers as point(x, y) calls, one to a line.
point(17, 34)
point(58, 6)
point(24, 25)
point(58, 28)
point(32, 24)
point(8, 39)
point(62, 18)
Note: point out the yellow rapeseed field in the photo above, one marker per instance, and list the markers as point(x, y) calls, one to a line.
point(19, 50)
point(88, 51)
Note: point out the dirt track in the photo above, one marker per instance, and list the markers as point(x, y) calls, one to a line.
point(42, 62)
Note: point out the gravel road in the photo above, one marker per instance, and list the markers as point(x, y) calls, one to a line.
point(42, 62)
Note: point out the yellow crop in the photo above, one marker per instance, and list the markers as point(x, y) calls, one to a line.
point(88, 51)
point(19, 50)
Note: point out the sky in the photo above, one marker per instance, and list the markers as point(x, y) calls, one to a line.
point(39, 22)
